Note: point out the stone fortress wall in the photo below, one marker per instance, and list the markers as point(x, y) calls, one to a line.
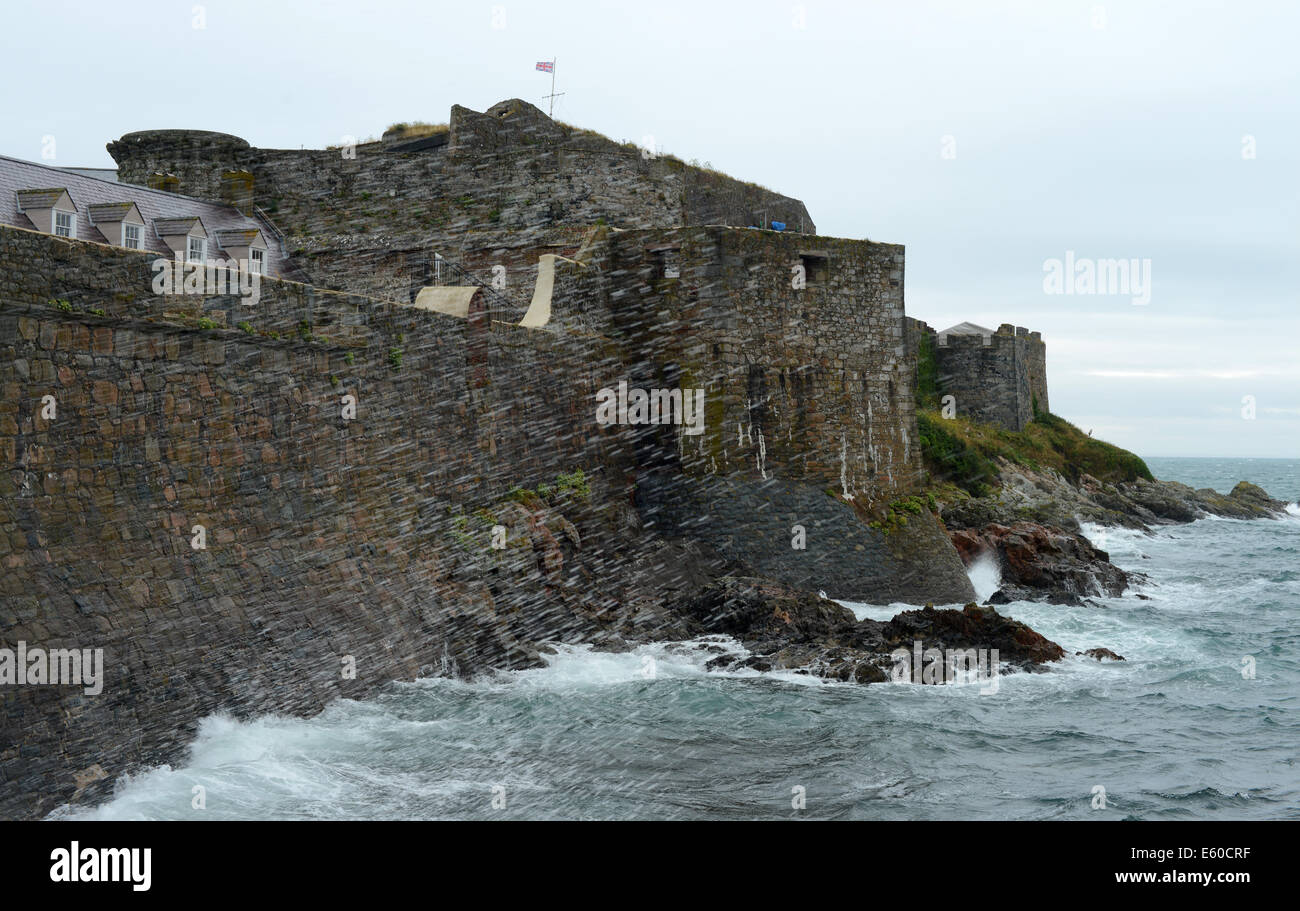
point(330, 536)
point(502, 187)
point(371, 218)
point(325, 536)
point(332, 539)
point(998, 377)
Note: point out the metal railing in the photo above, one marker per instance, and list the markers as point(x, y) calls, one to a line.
point(500, 305)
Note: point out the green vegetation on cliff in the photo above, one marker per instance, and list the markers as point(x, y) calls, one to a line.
point(895, 517)
point(572, 485)
point(965, 453)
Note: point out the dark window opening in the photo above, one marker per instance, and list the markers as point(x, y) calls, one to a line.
point(665, 263)
point(816, 269)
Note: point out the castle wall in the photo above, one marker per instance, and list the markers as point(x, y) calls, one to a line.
point(328, 538)
point(807, 384)
point(808, 399)
point(509, 177)
point(988, 378)
point(325, 537)
point(1035, 358)
point(196, 159)
point(996, 379)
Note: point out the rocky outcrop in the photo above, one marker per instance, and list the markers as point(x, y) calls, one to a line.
point(1045, 497)
point(1039, 563)
point(788, 629)
point(1031, 526)
point(1101, 654)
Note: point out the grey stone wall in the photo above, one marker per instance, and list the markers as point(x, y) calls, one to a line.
point(810, 383)
point(195, 158)
point(328, 538)
point(998, 379)
point(509, 177)
point(1035, 358)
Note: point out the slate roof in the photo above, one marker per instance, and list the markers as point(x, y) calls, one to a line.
point(109, 211)
point(109, 174)
point(170, 227)
point(236, 238)
point(17, 175)
point(967, 329)
point(41, 198)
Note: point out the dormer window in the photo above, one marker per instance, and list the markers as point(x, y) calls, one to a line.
point(119, 222)
point(184, 235)
point(49, 210)
point(65, 224)
point(244, 246)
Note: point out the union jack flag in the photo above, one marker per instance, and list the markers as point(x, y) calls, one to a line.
point(546, 66)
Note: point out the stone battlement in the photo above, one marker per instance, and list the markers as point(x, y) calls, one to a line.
point(510, 177)
point(994, 376)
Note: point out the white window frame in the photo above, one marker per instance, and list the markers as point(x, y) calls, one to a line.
point(139, 236)
point(256, 261)
point(72, 223)
point(190, 240)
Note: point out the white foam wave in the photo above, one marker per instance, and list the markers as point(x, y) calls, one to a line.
point(882, 612)
point(985, 575)
point(581, 667)
point(1113, 538)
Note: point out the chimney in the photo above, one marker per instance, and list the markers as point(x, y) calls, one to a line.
point(237, 190)
point(160, 181)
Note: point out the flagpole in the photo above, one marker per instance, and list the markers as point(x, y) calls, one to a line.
point(553, 60)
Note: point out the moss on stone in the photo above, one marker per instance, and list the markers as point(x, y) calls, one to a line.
point(927, 373)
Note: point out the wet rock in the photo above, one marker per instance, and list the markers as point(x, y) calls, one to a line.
point(1012, 593)
point(1100, 654)
point(765, 611)
point(972, 627)
point(789, 629)
point(1039, 563)
point(1045, 497)
point(1255, 498)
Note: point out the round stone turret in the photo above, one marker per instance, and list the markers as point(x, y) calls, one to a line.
point(183, 161)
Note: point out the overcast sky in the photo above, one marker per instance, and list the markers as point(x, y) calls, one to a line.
point(988, 137)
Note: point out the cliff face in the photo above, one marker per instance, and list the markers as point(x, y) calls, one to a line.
point(333, 542)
